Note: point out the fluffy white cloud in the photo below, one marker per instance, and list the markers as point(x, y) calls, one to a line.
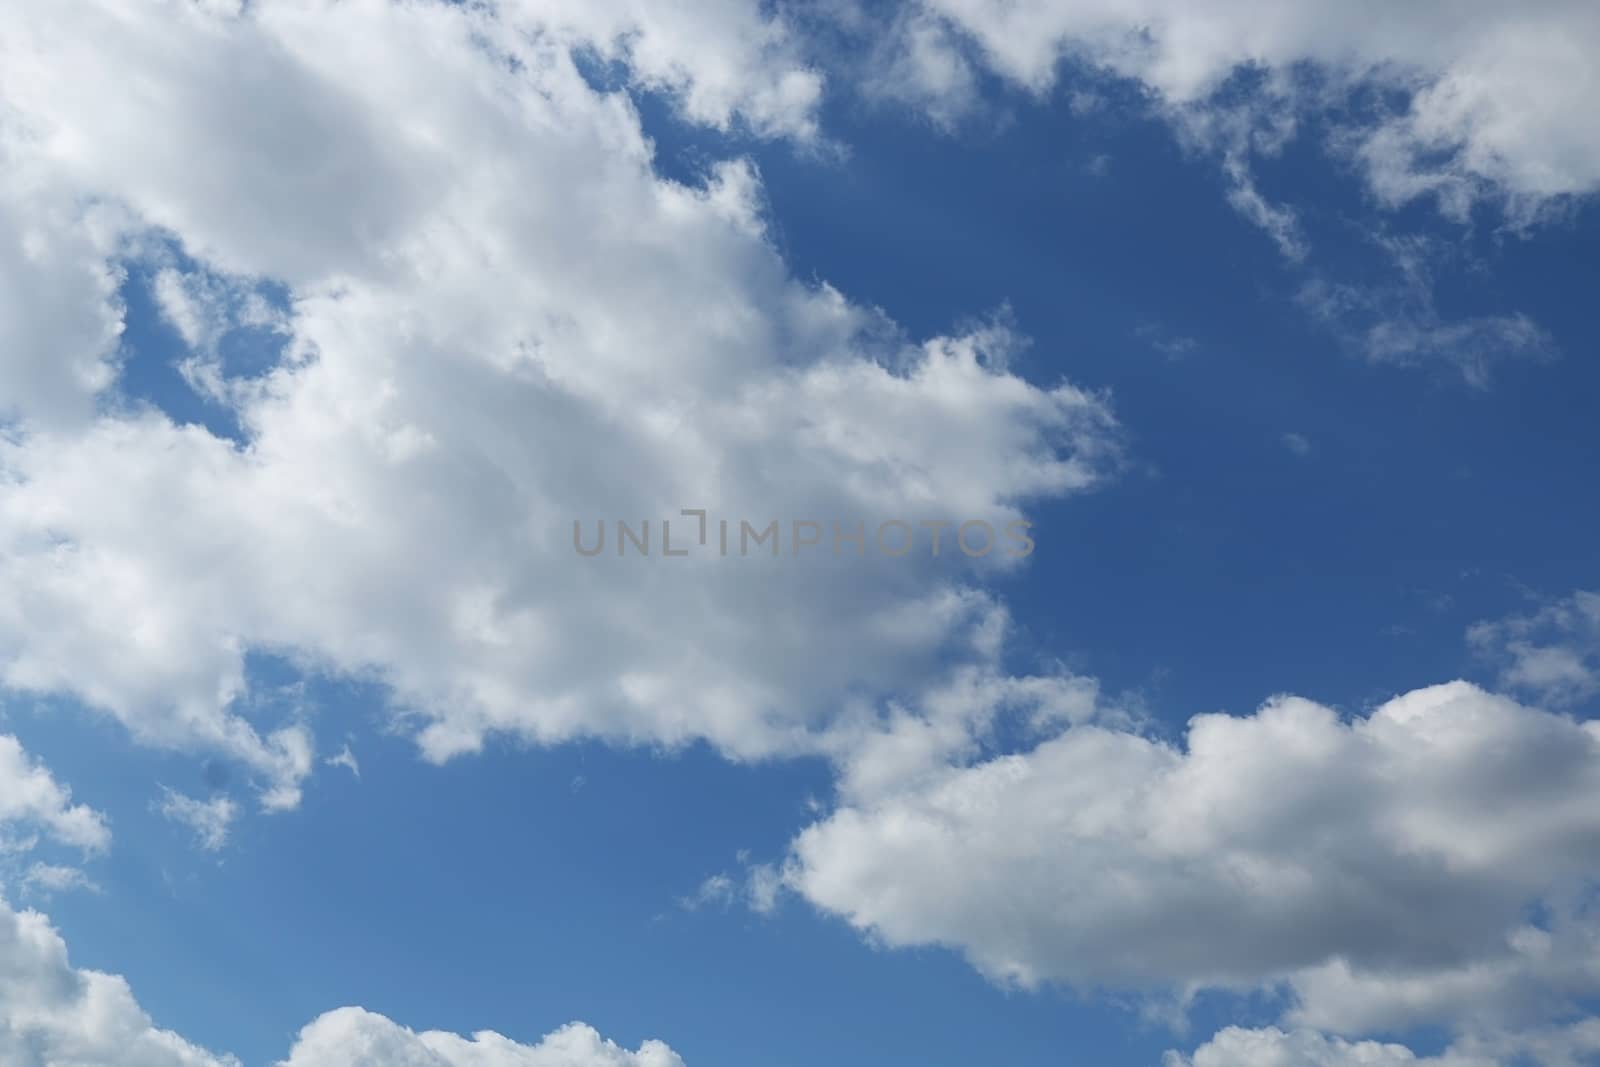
point(34, 806)
point(501, 320)
point(32, 799)
point(1271, 1047)
point(59, 319)
point(1388, 870)
point(53, 1015)
point(723, 60)
point(1496, 92)
point(351, 1037)
point(1571, 1045)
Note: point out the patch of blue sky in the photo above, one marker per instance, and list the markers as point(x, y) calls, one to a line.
point(154, 350)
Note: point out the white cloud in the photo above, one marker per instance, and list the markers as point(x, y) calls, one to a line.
point(1271, 1047)
point(1339, 859)
point(756, 886)
point(1280, 222)
point(1172, 345)
point(31, 797)
point(1239, 81)
point(723, 60)
point(53, 1014)
point(351, 1037)
point(59, 318)
point(1569, 1045)
point(1237, 133)
point(502, 321)
point(346, 759)
point(718, 890)
point(764, 886)
point(1473, 344)
point(1542, 971)
point(205, 309)
point(918, 61)
point(208, 819)
point(1496, 92)
point(48, 878)
point(1553, 652)
point(1396, 320)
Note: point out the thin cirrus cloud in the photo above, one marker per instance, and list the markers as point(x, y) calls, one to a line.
point(1396, 320)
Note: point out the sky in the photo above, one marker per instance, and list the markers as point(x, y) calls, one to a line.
point(1238, 354)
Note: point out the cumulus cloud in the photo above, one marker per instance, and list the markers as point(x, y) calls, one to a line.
point(351, 1037)
point(52, 1013)
point(31, 798)
point(724, 61)
point(1494, 93)
point(1571, 1045)
point(59, 314)
point(34, 808)
point(500, 320)
point(1425, 863)
point(1271, 1047)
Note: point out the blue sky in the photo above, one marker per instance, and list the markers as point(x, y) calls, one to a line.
point(303, 391)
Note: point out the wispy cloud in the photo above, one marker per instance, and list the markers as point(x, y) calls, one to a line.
point(1552, 652)
point(209, 820)
point(346, 759)
point(47, 878)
